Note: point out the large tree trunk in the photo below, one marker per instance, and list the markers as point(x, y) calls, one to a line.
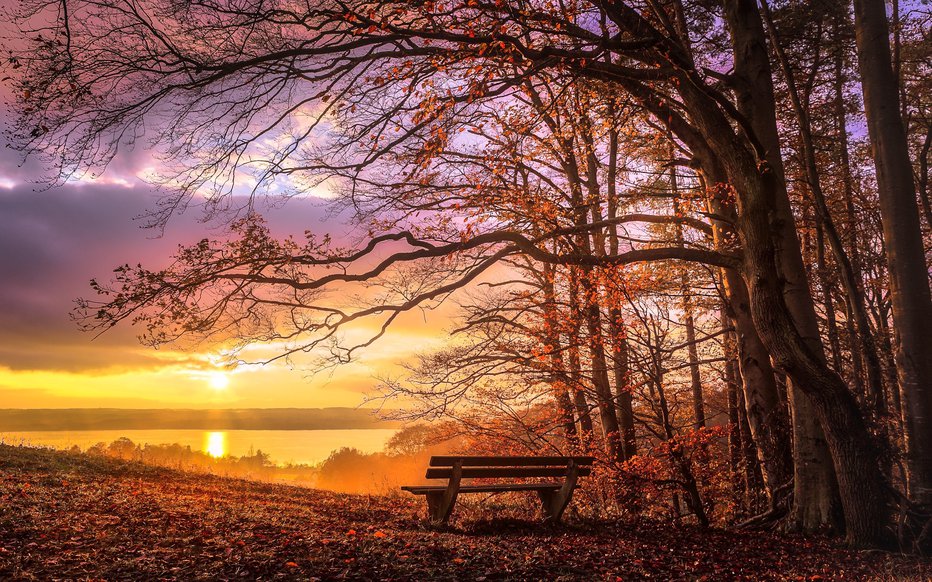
point(777, 298)
point(909, 277)
point(763, 405)
point(816, 499)
point(766, 417)
point(774, 285)
point(865, 495)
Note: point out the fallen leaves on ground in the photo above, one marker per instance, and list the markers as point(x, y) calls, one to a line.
point(73, 516)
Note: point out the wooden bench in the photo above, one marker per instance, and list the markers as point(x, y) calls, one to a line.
point(554, 496)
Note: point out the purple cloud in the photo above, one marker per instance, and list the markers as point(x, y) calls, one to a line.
point(53, 242)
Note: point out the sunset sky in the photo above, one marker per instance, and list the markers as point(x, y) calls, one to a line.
point(53, 241)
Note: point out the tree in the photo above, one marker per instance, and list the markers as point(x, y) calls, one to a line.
point(909, 276)
point(396, 83)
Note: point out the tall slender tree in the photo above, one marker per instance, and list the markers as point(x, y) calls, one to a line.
point(909, 276)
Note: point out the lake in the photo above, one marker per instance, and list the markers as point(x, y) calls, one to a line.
point(283, 446)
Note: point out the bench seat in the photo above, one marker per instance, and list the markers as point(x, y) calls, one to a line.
point(425, 489)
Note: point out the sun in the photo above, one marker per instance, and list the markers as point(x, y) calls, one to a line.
point(218, 380)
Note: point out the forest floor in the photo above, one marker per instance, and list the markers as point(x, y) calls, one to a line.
point(72, 516)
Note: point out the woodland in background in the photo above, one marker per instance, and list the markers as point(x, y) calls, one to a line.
point(346, 470)
point(671, 240)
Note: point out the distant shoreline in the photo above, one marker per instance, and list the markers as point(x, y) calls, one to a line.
point(63, 419)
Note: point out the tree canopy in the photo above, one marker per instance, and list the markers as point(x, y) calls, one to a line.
point(627, 199)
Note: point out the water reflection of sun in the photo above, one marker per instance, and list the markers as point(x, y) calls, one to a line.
point(215, 444)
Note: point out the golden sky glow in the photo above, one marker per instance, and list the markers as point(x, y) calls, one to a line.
point(52, 243)
point(184, 380)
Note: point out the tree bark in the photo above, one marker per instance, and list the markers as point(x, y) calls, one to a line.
point(620, 366)
point(828, 302)
point(591, 288)
point(909, 276)
point(735, 445)
point(558, 373)
point(767, 421)
point(623, 397)
point(816, 497)
point(827, 230)
point(762, 403)
point(579, 394)
point(603, 391)
point(753, 475)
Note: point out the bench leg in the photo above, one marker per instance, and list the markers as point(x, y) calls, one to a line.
point(555, 502)
point(440, 506)
point(434, 501)
point(440, 503)
point(547, 505)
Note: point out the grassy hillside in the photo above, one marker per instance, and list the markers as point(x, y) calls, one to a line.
point(73, 516)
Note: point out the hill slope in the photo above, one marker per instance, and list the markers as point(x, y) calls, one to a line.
point(74, 516)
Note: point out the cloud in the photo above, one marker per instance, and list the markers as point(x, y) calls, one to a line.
point(53, 242)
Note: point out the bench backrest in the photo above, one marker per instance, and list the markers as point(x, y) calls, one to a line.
point(441, 467)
